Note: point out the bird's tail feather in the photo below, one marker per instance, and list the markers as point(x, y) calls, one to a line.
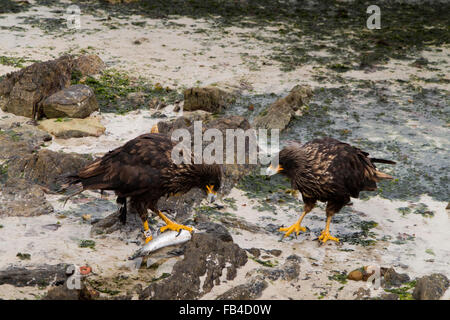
point(70, 185)
point(68, 182)
point(382, 161)
point(382, 176)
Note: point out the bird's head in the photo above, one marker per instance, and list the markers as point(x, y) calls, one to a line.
point(155, 129)
point(271, 170)
point(207, 177)
point(211, 179)
point(211, 193)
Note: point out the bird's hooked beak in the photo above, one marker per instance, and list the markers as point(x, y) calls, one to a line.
point(270, 171)
point(155, 129)
point(212, 195)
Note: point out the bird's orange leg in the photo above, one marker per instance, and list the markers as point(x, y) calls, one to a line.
point(147, 232)
point(325, 236)
point(172, 225)
point(296, 227)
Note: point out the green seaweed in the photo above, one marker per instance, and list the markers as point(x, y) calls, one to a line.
point(339, 277)
point(12, 61)
point(161, 277)
point(3, 172)
point(87, 244)
point(404, 292)
point(112, 88)
point(23, 256)
point(363, 237)
point(8, 6)
point(264, 263)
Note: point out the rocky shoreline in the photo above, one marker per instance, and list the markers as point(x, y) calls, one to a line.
point(69, 101)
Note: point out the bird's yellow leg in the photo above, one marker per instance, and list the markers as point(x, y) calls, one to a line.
point(147, 232)
point(295, 227)
point(325, 236)
point(172, 225)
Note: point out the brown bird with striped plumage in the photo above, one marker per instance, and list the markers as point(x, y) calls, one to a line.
point(142, 170)
point(330, 171)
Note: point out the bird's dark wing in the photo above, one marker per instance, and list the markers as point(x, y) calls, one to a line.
point(137, 166)
point(340, 169)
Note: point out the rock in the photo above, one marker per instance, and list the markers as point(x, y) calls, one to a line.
point(121, 297)
point(394, 279)
point(364, 275)
point(356, 275)
point(248, 291)
point(431, 287)
point(184, 122)
point(181, 205)
point(211, 99)
point(140, 40)
point(159, 115)
point(254, 252)
point(22, 91)
point(20, 198)
point(43, 275)
point(73, 128)
point(275, 252)
point(62, 292)
point(21, 137)
point(111, 223)
point(137, 98)
point(421, 62)
point(279, 114)
point(120, 1)
point(205, 257)
point(268, 273)
point(14, 144)
point(238, 223)
point(389, 296)
point(89, 65)
point(272, 228)
point(46, 167)
point(216, 230)
point(155, 103)
point(362, 294)
point(290, 270)
point(232, 172)
point(77, 101)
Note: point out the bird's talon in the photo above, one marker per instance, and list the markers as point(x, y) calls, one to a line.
point(148, 239)
point(325, 236)
point(175, 227)
point(296, 228)
point(147, 233)
point(172, 225)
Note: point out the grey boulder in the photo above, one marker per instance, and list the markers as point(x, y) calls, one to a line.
point(77, 101)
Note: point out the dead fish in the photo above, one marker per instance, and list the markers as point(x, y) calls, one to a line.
point(168, 238)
